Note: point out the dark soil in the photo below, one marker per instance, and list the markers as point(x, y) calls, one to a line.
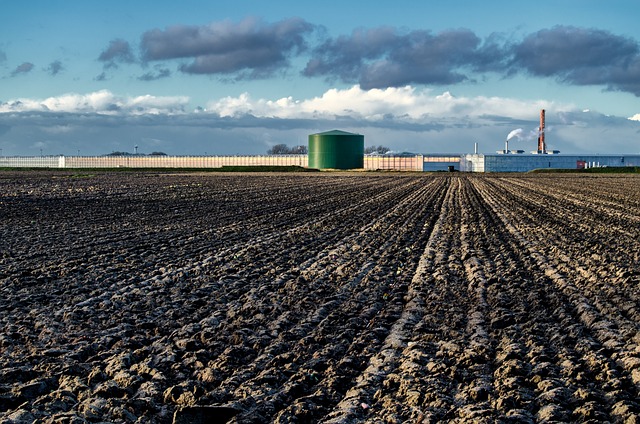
point(333, 298)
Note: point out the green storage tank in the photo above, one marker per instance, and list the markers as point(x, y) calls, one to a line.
point(336, 150)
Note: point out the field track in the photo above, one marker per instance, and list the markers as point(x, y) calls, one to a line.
point(329, 298)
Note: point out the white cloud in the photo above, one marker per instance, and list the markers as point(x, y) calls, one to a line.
point(635, 117)
point(232, 106)
point(405, 103)
point(101, 102)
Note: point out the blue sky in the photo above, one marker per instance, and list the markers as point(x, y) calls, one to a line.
point(236, 77)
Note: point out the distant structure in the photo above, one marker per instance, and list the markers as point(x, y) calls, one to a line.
point(542, 146)
point(528, 162)
point(516, 161)
point(336, 150)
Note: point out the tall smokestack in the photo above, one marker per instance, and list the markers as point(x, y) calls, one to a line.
point(542, 147)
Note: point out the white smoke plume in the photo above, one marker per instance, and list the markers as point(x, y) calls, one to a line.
point(515, 133)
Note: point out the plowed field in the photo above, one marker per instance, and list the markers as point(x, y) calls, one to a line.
point(329, 298)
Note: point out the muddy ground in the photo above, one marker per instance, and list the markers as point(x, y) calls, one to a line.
point(331, 298)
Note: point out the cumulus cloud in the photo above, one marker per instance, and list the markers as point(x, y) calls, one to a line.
point(345, 56)
point(118, 51)
point(406, 106)
point(403, 103)
point(24, 68)
point(581, 56)
point(384, 57)
point(562, 50)
point(227, 48)
point(101, 102)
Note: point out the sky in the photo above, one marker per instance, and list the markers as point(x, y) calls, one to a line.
point(237, 77)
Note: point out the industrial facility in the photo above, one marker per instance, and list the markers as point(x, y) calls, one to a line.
point(529, 162)
point(508, 160)
point(342, 150)
point(542, 145)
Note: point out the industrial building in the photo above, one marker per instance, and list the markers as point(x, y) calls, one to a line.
point(529, 162)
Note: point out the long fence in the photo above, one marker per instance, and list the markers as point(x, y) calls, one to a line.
point(150, 161)
point(371, 162)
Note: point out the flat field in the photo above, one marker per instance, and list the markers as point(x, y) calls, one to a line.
point(332, 297)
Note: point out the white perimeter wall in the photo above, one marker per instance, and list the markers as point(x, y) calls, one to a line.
point(371, 162)
point(149, 161)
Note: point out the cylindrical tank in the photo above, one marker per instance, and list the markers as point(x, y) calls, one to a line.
point(336, 150)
